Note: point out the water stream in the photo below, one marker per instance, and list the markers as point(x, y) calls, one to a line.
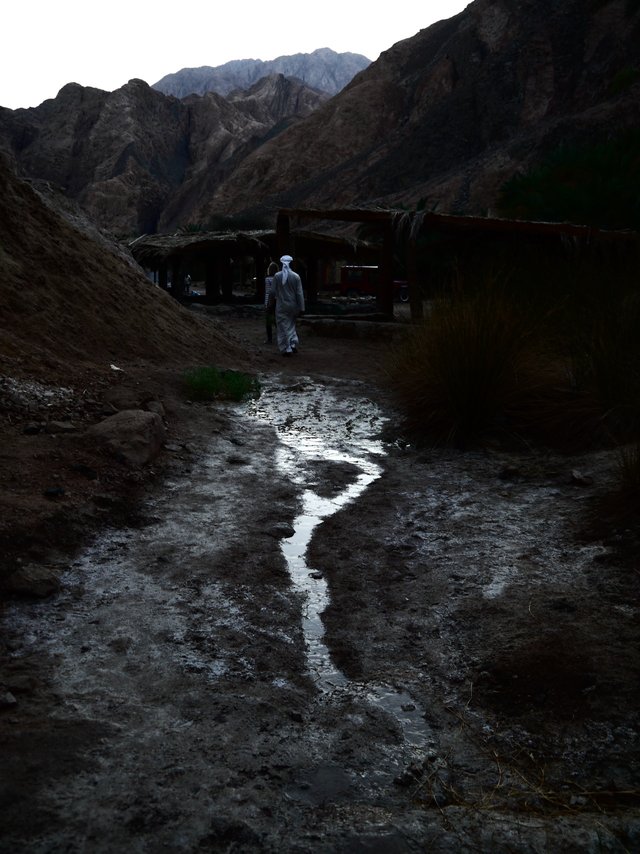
point(317, 426)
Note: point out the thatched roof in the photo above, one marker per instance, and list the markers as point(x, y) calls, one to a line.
point(154, 249)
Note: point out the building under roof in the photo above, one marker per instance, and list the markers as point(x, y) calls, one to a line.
point(320, 239)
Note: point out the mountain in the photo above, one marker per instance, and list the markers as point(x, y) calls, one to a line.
point(137, 160)
point(452, 113)
point(324, 69)
point(444, 118)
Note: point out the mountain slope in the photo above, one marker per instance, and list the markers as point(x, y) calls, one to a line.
point(451, 113)
point(324, 69)
point(134, 158)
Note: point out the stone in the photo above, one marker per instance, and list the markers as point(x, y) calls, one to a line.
point(134, 435)
point(156, 406)
point(281, 531)
point(61, 427)
point(7, 700)
point(32, 580)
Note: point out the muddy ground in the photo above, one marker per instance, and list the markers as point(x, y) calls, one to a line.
point(476, 687)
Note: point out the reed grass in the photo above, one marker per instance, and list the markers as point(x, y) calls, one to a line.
point(472, 369)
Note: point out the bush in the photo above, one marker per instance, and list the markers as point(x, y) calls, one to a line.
point(210, 383)
point(629, 471)
point(470, 368)
point(606, 359)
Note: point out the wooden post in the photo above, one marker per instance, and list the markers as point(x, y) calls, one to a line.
point(176, 280)
point(261, 272)
point(313, 269)
point(162, 280)
point(384, 298)
point(211, 281)
point(225, 270)
point(415, 291)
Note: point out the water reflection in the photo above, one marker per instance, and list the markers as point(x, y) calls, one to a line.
point(311, 583)
point(316, 425)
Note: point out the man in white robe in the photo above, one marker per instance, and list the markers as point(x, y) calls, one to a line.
point(287, 289)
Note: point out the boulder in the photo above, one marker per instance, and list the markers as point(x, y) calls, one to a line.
point(134, 435)
point(32, 581)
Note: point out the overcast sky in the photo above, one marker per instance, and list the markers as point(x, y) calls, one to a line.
point(48, 43)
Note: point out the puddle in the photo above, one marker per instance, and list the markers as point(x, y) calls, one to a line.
point(138, 609)
point(316, 426)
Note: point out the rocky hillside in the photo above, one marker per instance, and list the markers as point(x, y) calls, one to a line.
point(446, 116)
point(453, 112)
point(324, 69)
point(137, 160)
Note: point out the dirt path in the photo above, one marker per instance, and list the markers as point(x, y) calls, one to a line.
point(475, 688)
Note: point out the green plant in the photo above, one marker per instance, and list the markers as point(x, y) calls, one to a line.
point(210, 383)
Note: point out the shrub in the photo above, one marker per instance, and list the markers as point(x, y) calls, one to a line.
point(210, 383)
point(604, 345)
point(469, 368)
point(629, 471)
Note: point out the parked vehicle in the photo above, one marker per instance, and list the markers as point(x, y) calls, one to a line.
point(363, 281)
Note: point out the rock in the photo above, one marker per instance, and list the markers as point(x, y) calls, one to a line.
point(281, 531)
point(510, 472)
point(7, 700)
point(60, 427)
point(156, 406)
point(83, 469)
point(237, 460)
point(134, 435)
point(581, 479)
point(32, 580)
point(53, 492)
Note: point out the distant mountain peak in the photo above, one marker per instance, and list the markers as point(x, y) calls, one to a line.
point(324, 69)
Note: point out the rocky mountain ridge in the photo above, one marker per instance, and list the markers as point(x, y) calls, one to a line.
point(452, 113)
point(323, 69)
point(445, 118)
point(136, 159)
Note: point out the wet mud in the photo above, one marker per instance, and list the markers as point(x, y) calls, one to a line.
point(317, 639)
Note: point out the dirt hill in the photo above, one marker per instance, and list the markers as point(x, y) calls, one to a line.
point(84, 334)
point(70, 303)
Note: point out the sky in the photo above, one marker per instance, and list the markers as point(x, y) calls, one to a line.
point(49, 43)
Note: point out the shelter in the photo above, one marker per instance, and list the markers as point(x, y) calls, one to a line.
point(428, 249)
point(218, 257)
point(222, 259)
point(433, 248)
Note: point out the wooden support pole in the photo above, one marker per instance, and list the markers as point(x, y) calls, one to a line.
point(384, 298)
point(313, 269)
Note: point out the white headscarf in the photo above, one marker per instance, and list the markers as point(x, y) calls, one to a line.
point(285, 261)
